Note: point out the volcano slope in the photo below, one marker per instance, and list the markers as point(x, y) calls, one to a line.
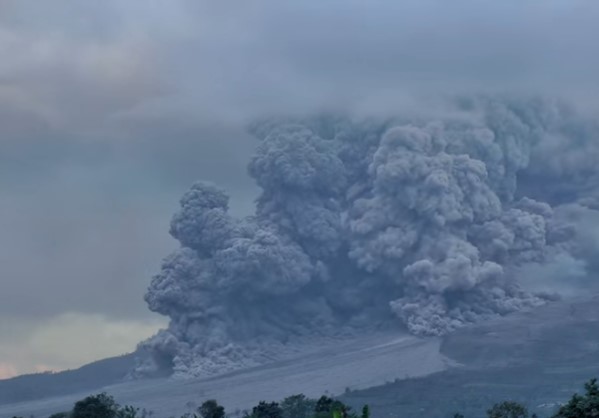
point(355, 363)
point(538, 357)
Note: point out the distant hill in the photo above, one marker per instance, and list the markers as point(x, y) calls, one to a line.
point(44, 385)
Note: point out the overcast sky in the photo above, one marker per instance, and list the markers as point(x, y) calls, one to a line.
point(109, 110)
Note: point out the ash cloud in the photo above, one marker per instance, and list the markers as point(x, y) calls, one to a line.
point(426, 223)
point(109, 110)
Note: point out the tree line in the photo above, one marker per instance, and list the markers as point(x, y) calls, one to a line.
point(299, 406)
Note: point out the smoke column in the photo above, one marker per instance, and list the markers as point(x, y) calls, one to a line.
point(363, 225)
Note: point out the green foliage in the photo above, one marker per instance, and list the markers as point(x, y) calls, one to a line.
point(267, 410)
point(96, 406)
point(508, 410)
point(128, 411)
point(324, 405)
point(365, 411)
point(298, 406)
point(211, 409)
point(100, 406)
point(330, 408)
point(586, 406)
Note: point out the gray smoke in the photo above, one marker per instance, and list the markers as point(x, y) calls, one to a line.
point(370, 224)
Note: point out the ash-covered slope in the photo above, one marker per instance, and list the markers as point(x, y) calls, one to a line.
point(429, 221)
point(545, 336)
point(354, 363)
point(539, 357)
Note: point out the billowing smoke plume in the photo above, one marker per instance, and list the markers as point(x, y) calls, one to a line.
point(369, 224)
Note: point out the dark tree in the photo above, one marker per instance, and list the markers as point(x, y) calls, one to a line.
point(327, 407)
point(298, 406)
point(324, 405)
point(267, 410)
point(96, 406)
point(508, 410)
point(211, 409)
point(586, 406)
point(365, 411)
point(128, 412)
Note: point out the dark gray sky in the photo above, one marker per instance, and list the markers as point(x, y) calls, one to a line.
point(110, 110)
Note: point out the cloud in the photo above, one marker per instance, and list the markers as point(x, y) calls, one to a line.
point(83, 64)
point(419, 222)
point(7, 371)
point(74, 84)
point(69, 244)
point(270, 55)
point(67, 340)
point(110, 110)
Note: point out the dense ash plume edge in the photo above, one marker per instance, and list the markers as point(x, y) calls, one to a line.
point(369, 224)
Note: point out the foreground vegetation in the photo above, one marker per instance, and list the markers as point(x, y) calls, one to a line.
point(299, 406)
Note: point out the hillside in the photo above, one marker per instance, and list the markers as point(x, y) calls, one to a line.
point(539, 357)
point(44, 385)
point(357, 363)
